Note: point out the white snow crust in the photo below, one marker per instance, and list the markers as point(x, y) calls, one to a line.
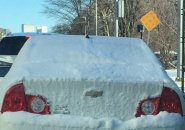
point(102, 58)
point(163, 121)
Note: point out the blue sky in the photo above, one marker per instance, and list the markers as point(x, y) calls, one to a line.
point(14, 13)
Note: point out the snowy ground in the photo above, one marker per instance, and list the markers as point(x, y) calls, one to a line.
point(173, 74)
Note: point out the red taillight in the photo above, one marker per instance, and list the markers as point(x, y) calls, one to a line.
point(16, 100)
point(28, 37)
point(148, 107)
point(169, 101)
point(37, 104)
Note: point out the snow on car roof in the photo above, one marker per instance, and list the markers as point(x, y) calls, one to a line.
point(27, 34)
point(94, 58)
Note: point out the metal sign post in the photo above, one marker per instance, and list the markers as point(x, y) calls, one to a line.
point(140, 28)
point(148, 39)
point(183, 60)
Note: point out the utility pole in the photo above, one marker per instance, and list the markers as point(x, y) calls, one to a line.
point(85, 18)
point(179, 41)
point(96, 18)
point(180, 44)
point(119, 14)
point(116, 18)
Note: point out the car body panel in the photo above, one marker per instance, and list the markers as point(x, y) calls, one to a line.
point(81, 98)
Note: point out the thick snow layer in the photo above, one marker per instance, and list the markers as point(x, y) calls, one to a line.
point(162, 120)
point(96, 58)
point(73, 97)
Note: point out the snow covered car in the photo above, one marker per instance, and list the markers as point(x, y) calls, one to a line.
point(67, 82)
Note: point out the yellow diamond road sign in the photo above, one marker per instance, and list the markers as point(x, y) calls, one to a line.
point(150, 20)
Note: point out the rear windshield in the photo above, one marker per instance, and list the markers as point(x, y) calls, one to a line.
point(12, 45)
point(4, 71)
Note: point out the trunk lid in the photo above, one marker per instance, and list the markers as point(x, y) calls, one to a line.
point(96, 99)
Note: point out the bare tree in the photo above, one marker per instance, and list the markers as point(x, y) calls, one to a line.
point(78, 16)
point(105, 17)
point(129, 23)
point(66, 12)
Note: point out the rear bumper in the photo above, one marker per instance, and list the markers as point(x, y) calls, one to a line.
point(28, 121)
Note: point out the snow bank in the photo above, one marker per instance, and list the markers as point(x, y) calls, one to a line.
point(162, 120)
point(173, 75)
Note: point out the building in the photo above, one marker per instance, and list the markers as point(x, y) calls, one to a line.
point(42, 29)
point(28, 28)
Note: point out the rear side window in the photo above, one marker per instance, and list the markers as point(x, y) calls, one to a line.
point(4, 71)
point(12, 45)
